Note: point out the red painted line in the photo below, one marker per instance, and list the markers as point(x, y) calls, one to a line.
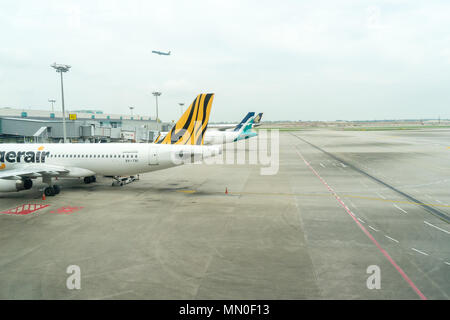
point(20, 210)
point(67, 210)
point(384, 252)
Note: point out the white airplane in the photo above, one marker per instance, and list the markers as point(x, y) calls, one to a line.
point(161, 53)
point(227, 126)
point(217, 137)
point(21, 163)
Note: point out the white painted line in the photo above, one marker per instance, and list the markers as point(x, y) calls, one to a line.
point(373, 229)
point(361, 220)
point(343, 165)
point(381, 196)
point(391, 238)
point(400, 208)
point(432, 225)
point(322, 165)
point(419, 251)
point(447, 263)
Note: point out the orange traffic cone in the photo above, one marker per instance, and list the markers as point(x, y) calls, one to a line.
point(226, 190)
point(43, 196)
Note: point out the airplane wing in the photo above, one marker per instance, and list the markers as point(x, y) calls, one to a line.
point(39, 170)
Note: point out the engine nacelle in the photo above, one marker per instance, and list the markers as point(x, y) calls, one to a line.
point(15, 185)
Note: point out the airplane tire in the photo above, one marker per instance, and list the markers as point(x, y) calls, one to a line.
point(56, 189)
point(93, 179)
point(49, 192)
point(87, 180)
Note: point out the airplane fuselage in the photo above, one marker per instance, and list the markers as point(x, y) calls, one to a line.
point(111, 159)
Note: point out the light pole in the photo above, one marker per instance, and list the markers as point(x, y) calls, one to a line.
point(131, 109)
point(157, 94)
point(52, 101)
point(62, 68)
point(181, 107)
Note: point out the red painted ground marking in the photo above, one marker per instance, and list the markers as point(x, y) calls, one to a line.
point(67, 210)
point(25, 209)
point(384, 252)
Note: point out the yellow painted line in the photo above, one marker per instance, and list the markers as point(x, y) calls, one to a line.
point(321, 195)
point(187, 191)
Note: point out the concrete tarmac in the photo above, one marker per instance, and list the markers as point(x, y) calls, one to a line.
point(336, 207)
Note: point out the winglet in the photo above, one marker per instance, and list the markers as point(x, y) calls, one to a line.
point(191, 127)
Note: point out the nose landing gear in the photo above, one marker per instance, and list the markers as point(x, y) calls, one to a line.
point(90, 179)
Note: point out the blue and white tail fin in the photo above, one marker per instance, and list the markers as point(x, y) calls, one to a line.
point(246, 130)
point(248, 116)
point(257, 120)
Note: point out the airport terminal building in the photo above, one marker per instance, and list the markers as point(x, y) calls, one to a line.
point(19, 125)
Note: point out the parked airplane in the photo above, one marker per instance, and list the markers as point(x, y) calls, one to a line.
point(220, 137)
point(21, 163)
point(161, 53)
point(257, 120)
point(228, 126)
point(215, 137)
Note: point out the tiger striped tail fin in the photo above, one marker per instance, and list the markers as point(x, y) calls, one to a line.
point(191, 127)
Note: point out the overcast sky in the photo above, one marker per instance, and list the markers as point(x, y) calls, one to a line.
point(307, 60)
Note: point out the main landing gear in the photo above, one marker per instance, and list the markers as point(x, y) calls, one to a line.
point(52, 189)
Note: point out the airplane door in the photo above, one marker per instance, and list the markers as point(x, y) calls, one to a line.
point(153, 158)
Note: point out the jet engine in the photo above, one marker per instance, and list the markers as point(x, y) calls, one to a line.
point(15, 185)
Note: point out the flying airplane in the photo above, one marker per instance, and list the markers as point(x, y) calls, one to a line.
point(223, 127)
point(216, 137)
point(161, 53)
point(20, 164)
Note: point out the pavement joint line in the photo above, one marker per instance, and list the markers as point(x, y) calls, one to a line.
point(374, 229)
point(361, 220)
point(421, 252)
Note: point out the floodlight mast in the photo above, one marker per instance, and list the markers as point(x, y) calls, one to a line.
point(157, 94)
point(62, 68)
point(52, 101)
point(181, 107)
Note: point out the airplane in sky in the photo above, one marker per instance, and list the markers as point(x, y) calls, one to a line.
point(161, 53)
point(216, 137)
point(228, 126)
point(20, 164)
